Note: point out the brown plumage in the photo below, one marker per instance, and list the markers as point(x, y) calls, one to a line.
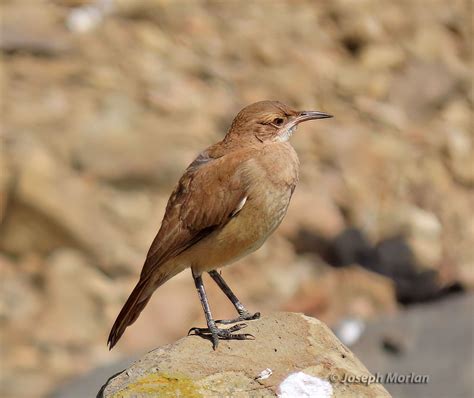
point(229, 200)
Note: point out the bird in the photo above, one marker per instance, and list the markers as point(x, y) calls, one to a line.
point(230, 199)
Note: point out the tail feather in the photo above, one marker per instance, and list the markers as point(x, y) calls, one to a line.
point(137, 300)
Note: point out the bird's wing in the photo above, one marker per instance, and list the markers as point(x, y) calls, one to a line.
point(208, 195)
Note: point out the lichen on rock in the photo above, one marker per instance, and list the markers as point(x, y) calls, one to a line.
point(295, 353)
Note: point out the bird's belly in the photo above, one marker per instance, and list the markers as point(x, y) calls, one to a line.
point(244, 233)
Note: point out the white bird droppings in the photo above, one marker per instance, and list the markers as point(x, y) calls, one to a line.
point(264, 374)
point(301, 385)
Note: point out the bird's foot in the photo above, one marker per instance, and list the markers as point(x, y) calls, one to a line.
point(245, 316)
point(215, 334)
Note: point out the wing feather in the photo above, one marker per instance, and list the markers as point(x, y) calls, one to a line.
point(205, 199)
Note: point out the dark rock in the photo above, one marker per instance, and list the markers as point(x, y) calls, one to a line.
point(428, 339)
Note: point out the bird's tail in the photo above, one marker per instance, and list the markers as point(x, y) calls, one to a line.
point(137, 300)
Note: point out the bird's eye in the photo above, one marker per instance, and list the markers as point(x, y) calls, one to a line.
point(278, 121)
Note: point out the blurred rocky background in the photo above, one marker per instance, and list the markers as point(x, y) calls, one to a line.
point(104, 103)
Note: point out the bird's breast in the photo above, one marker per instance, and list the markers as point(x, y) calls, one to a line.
point(271, 179)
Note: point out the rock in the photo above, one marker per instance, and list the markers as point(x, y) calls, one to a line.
point(312, 210)
point(460, 155)
point(51, 207)
point(32, 28)
point(137, 8)
point(75, 296)
point(466, 272)
point(87, 17)
point(414, 341)
point(424, 235)
point(6, 178)
point(88, 384)
point(291, 354)
point(378, 57)
point(390, 115)
point(20, 301)
point(351, 291)
point(31, 381)
point(422, 87)
point(349, 330)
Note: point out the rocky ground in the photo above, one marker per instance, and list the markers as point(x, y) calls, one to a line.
point(415, 340)
point(105, 103)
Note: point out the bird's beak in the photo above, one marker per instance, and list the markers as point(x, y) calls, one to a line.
point(310, 115)
point(287, 130)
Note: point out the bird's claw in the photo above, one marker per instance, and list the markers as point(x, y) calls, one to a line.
point(243, 317)
point(215, 334)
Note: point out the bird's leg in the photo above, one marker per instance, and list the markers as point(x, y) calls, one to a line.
point(244, 315)
point(212, 331)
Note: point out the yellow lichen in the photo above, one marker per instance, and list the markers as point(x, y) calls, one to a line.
point(160, 385)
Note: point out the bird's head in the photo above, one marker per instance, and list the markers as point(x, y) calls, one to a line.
point(269, 121)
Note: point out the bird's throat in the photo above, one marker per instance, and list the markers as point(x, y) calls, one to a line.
point(286, 133)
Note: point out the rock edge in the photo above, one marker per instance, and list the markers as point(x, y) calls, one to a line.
point(285, 344)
